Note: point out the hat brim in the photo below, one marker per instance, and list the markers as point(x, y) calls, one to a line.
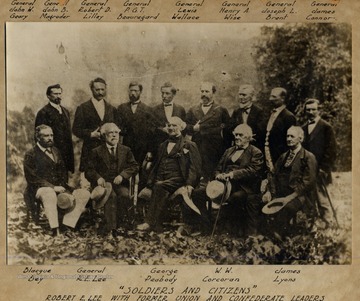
point(100, 202)
point(273, 206)
point(220, 197)
point(69, 203)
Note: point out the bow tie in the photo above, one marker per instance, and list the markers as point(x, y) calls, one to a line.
point(311, 122)
point(206, 106)
point(245, 110)
point(135, 103)
point(167, 104)
point(174, 139)
point(239, 148)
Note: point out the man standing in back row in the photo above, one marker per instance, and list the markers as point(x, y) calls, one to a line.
point(58, 118)
point(89, 117)
point(320, 140)
point(205, 124)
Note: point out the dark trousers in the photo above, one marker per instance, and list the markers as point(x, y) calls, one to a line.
point(117, 206)
point(161, 192)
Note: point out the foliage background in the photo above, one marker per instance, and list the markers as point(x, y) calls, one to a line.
point(309, 60)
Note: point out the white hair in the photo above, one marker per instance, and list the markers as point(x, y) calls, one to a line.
point(107, 127)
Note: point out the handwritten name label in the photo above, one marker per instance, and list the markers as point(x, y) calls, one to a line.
point(162, 276)
point(93, 10)
point(322, 11)
point(20, 10)
point(278, 10)
point(232, 10)
point(187, 11)
point(137, 10)
point(53, 10)
point(285, 275)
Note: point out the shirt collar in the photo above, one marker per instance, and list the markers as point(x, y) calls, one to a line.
point(279, 109)
point(110, 146)
point(56, 106)
point(316, 119)
point(135, 103)
point(207, 105)
point(97, 102)
point(165, 104)
point(297, 149)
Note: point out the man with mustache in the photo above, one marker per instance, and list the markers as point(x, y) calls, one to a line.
point(89, 117)
point(114, 163)
point(58, 118)
point(320, 140)
point(177, 164)
point(137, 125)
point(205, 125)
point(46, 175)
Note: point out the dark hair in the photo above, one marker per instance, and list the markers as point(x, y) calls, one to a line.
point(311, 101)
point(38, 130)
point(169, 85)
point(133, 84)
point(48, 90)
point(97, 80)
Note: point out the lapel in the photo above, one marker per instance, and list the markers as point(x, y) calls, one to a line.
point(161, 113)
point(209, 114)
point(315, 131)
point(93, 112)
point(296, 163)
point(108, 116)
point(104, 153)
point(44, 157)
point(252, 118)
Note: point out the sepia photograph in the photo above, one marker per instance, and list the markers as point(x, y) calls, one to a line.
point(178, 144)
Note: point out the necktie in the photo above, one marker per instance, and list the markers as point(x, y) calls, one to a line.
point(245, 110)
point(112, 150)
point(311, 122)
point(50, 154)
point(289, 159)
point(206, 106)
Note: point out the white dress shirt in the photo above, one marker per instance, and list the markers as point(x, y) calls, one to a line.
point(99, 107)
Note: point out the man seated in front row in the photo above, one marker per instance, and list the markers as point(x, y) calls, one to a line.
point(293, 182)
point(242, 165)
point(178, 164)
point(114, 163)
point(47, 177)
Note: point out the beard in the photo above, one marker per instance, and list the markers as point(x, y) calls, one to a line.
point(134, 98)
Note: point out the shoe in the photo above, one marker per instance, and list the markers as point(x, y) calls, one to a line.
point(143, 227)
point(55, 232)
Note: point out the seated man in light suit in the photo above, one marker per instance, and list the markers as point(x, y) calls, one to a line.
point(114, 163)
point(47, 177)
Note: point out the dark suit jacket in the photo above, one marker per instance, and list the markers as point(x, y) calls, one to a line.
point(255, 120)
point(99, 164)
point(188, 157)
point(160, 119)
point(247, 169)
point(321, 142)
point(302, 178)
point(137, 129)
point(86, 121)
point(60, 124)
point(209, 139)
point(41, 171)
point(277, 136)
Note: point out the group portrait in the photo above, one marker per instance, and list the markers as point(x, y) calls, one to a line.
point(178, 143)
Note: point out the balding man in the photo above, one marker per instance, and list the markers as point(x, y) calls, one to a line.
point(205, 125)
point(114, 163)
point(177, 164)
point(279, 122)
point(249, 113)
point(294, 181)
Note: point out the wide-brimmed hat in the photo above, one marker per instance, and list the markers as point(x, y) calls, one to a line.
point(66, 201)
point(215, 191)
point(182, 191)
point(100, 195)
point(274, 206)
point(145, 194)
